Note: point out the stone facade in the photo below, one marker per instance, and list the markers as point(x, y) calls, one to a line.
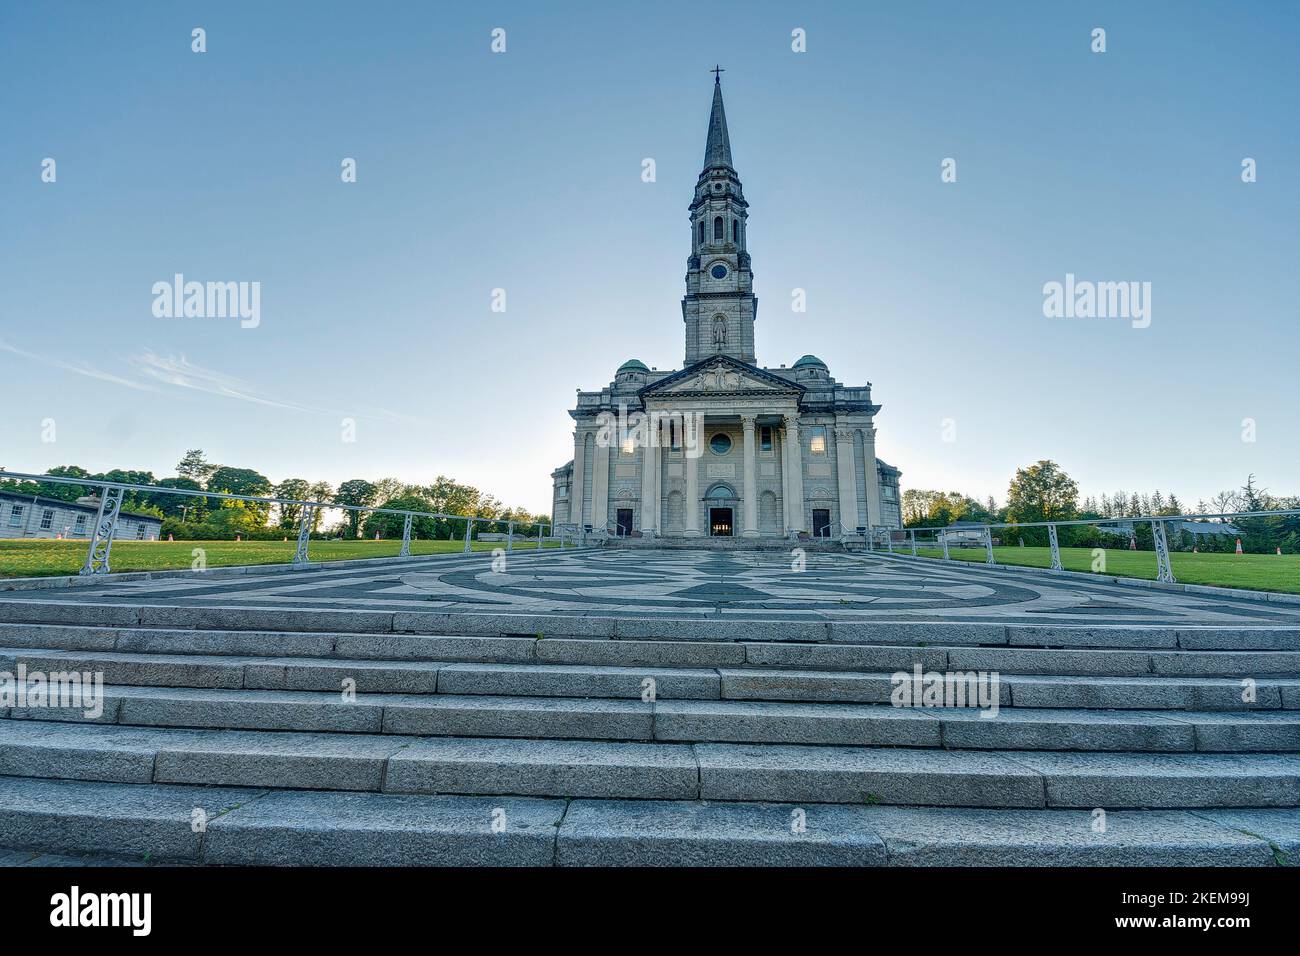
point(724, 446)
point(33, 516)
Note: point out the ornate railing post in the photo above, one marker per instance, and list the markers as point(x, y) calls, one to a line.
point(110, 505)
point(912, 535)
point(1164, 571)
point(539, 537)
point(943, 541)
point(406, 538)
point(889, 541)
point(988, 546)
point(469, 525)
point(1056, 548)
point(510, 536)
point(300, 558)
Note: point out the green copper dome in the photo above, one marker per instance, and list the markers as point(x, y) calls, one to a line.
point(632, 365)
point(810, 360)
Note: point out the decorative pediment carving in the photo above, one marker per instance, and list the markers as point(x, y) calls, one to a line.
point(721, 376)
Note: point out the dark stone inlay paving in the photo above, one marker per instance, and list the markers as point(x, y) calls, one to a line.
point(696, 584)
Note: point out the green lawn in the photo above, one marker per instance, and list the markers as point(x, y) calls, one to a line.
point(1260, 572)
point(33, 557)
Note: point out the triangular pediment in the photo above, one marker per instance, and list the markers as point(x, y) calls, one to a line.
point(721, 375)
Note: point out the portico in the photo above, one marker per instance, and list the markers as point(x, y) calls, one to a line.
point(725, 440)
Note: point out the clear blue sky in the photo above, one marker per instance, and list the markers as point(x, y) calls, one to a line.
point(522, 171)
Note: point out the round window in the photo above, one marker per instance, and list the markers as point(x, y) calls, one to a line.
point(719, 271)
point(720, 444)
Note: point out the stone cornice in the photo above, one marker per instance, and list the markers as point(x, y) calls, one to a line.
point(867, 407)
point(782, 386)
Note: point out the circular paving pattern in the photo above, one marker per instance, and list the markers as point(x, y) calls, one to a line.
point(711, 581)
point(771, 584)
point(694, 584)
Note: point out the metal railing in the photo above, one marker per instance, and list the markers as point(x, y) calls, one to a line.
point(110, 506)
point(1160, 541)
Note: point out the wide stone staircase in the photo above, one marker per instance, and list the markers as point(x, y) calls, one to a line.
point(335, 739)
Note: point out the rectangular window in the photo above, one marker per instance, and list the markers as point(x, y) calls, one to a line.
point(139, 531)
point(674, 437)
point(80, 526)
point(47, 519)
point(765, 438)
point(16, 516)
point(817, 440)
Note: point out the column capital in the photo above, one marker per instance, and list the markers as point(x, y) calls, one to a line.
point(748, 420)
point(791, 419)
point(843, 435)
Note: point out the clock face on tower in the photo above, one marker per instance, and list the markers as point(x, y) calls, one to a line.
point(719, 271)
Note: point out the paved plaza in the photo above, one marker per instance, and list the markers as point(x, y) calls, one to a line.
point(759, 585)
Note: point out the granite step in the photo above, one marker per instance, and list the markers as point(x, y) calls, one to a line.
point(443, 715)
point(233, 826)
point(642, 681)
point(686, 721)
point(577, 768)
point(397, 628)
point(1153, 693)
point(655, 833)
point(869, 658)
point(372, 676)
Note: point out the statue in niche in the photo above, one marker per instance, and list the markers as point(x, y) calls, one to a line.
point(719, 333)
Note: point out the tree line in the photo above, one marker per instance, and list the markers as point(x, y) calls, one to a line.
point(201, 518)
point(1044, 492)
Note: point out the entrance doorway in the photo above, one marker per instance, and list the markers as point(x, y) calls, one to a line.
point(821, 522)
point(624, 519)
point(720, 522)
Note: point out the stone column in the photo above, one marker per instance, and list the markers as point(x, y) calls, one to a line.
point(650, 482)
point(848, 481)
point(600, 488)
point(874, 516)
point(579, 469)
point(692, 502)
point(794, 484)
point(749, 504)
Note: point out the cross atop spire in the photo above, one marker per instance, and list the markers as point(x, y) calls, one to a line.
point(717, 151)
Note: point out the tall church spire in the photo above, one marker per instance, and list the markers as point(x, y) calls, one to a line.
point(719, 306)
point(717, 151)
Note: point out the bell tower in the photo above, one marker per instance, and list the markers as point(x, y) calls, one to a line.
point(719, 307)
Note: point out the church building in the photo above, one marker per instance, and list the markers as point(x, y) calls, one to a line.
point(725, 446)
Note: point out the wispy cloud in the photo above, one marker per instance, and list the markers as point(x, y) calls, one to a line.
point(80, 368)
point(159, 373)
point(178, 371)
